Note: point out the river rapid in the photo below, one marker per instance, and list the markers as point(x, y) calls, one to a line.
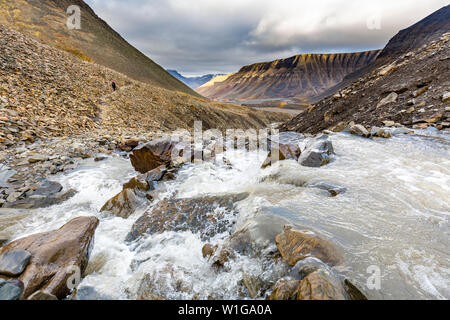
point(393, 216)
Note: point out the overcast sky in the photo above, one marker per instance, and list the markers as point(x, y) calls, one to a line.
point(219, 36)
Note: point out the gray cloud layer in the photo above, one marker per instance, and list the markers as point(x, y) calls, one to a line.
point(212, 36)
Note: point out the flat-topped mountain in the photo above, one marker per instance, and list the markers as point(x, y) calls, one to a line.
point(304, 75)
point(96, 41)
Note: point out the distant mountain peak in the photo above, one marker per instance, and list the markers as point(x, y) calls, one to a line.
point(193, 82)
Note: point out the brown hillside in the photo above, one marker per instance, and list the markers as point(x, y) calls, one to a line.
point(46, 92)
point(96, 41)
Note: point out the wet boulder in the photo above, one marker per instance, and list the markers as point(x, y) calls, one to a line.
point(319, 285)
point(14, 262)
point(87, 293)
point(359, 130)
point(54, 255)
point(48, 188)
point(151, 155)
point(284, 151)
point(10, 290)
point(317, 153)
point(285, 290)
point(295, 245)
point(41, 201)
point(207, 215)
point(209, 250)
point(253, 284)
point(380, 133)
point(123, 204)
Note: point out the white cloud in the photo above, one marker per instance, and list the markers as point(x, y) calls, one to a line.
point(197, 36)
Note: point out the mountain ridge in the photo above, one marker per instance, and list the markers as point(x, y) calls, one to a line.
point(304, 75)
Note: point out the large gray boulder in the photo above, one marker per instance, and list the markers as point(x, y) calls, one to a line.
point(14, 262)
point(199, 215)
point(317, 153)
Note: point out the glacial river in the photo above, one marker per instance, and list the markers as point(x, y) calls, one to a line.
point(394, 215)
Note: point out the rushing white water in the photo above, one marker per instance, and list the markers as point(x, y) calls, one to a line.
point(394, 215)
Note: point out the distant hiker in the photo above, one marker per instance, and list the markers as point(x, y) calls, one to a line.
point(114, 86)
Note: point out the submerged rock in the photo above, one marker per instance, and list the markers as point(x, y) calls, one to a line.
point(207, 215)
point(209, 250)
point(317, 152)
point(48, 188)
point(334, 191)
point(295, 245)
point(54, 254)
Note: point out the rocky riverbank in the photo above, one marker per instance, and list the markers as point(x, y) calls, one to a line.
point(267, 255)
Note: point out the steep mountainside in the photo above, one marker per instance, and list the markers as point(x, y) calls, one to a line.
point(412, 90)
point(414, 72)
point(46, 92)
point(192, 82)
point(429, 29)
point(96, 41)
point(304, 75)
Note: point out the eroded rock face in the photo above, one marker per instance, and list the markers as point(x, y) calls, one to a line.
point(285, 151)
point(295, 245)
point(53, 254)
point(317, 153)
point(151, 155)
point(207, 215)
